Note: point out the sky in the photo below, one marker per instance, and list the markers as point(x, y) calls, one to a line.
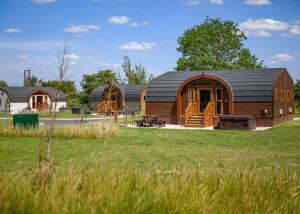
point(101, 32)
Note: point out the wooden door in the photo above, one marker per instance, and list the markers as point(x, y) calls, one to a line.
point(204, 98)
point(192, 100)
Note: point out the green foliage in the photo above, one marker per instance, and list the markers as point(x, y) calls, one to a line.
point(67, 86)
point(92, 81)
point(136, 75)
point(215, 44)
point(297, 92)
point(3, 83)
point(32, 81)
point(76, 99)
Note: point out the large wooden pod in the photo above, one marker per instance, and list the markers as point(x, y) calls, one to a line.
point(16, 99)
point(107, 98)
point(199, 98)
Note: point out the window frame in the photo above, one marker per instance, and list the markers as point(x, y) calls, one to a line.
point(191, 93)
point(288, 95)
point(276, 94)
point(219, 101)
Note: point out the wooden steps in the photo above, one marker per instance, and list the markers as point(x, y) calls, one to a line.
point(195, 121)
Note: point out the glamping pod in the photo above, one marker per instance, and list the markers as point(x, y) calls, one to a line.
point(16, 99)
point(199, 98)
point(111, 98)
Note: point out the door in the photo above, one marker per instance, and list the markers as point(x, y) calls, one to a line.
point(204, 99)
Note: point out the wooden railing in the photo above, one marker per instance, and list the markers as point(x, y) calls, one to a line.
point(188, 112)
point(208, 113)
point(42, 106)
point(107, 106)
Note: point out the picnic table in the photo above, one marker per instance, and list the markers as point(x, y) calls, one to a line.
point(150, 121)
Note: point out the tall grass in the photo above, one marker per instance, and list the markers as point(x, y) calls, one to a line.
point(97, 130)
point(181, 190)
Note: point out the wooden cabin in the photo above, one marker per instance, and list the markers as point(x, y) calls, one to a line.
point(199, 98)
point(116, 98)
point(17, 99)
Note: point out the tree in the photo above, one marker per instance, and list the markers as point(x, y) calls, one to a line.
point(32, 81)
point(297, 92)
point(92, 81)
point(67, 86)
point(215, 44)
point(3, 83)
point(136, 75)
point(76, 99)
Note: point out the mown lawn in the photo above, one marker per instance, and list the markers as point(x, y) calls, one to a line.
point(154, 170)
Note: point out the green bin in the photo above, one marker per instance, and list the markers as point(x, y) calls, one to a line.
point(26, 120)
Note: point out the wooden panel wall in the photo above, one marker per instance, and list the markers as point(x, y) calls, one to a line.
point(253, 108)
point(283, 83)
point(163, 110)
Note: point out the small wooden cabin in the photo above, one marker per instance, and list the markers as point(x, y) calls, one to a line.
point(111, 98)
point(199, 98)
point(17, 99)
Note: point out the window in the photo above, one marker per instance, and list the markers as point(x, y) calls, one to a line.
point(276, 94)
point(282, 95)
point(219, 94)
point(288, 95)
point(219, 104)
point(191, 94)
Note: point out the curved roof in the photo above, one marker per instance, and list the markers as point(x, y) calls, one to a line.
point(129, 92)
point(246, 85)
point(19, 94)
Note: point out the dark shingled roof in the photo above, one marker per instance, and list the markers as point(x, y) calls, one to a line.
point(246, 85)
point(130, 92)
point(19, 94)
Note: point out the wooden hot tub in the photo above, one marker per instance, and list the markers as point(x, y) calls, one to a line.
point(246, 122)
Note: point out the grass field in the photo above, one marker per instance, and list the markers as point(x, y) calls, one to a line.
point(157, 171)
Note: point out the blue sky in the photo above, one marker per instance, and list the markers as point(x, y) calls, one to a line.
point(102, 32)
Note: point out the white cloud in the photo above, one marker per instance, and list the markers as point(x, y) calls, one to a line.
point(11, 45)
point(264, 24)
point(257, 2)
point(281, 58)
point(138, 46)
point(138, 24)
point(261, 27)
point(71, 56)
point(43, 1)
point(23, 56)
point(119, 20)
point(294, 30)
point(216, 1)
point(12, 30)
point(193, 2)
point(81, 28)
point(258, 33)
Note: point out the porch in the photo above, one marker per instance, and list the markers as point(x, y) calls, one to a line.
point(202, 101)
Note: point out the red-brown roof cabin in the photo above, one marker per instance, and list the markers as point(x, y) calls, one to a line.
point(183, 97)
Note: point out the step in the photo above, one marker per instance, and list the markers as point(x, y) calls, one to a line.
point(195, 122)
point(195, 125)
point(198, 119)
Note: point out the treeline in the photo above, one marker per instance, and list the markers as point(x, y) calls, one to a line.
point(133, 74)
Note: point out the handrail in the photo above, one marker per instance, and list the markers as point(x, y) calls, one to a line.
point(188, 112)
point(208, 112)
point(106, 106)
